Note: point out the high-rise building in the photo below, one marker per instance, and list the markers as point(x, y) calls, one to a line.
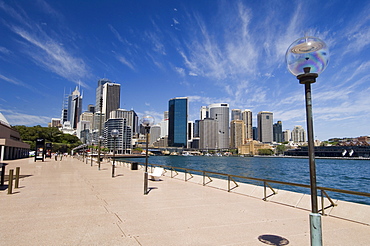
point(99, 92)
point(236, 114)
point(298, 134)
point(220, 113)
point(164, 125)
point(190, 131)
point(111, 98)
point(278, 132)
point(83, 130)
point(55, 122)
point(247, 118)
point(255, 133)
point(178, 122)
point(287, 136)
point(196, 129)
point(155, 134)
point(208, 134)
point(91, 108)
point(123, 141)
point(88, 116)
point(237, 134)
point(264, 120)
point(130, 116)
point(64, 115)
point(204, 113)
point(74, 107)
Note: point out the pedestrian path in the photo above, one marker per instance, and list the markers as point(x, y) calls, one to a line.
point(69, 202)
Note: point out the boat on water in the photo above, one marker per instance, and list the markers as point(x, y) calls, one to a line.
point(186, 154)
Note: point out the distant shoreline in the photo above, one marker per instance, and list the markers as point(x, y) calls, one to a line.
point(316, 157)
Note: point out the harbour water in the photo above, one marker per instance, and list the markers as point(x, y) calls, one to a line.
point(353, 175)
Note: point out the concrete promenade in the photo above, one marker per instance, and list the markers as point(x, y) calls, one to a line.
point(69, 202)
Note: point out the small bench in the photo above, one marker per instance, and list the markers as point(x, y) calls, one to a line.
point(157, 173)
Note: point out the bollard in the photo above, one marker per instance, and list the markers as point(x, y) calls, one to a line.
point(17, 171)
point(10, 182)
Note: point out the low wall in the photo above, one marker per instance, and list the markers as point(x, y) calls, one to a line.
point(356, 212)
point(345, 210)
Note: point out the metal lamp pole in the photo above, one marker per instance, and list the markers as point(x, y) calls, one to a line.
point(92, 152)
point(309, 54)
point(147, 129)
point(100, 123)
point(114, 134)
point(146, 121)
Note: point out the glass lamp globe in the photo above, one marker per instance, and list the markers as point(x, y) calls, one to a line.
point(114, 133)
point(307, 52)
point(147, 120)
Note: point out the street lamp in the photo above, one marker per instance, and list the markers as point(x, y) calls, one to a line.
point(100, 130)
point(101, 138)
point(92, 152)
point(306, 58)
point(147, 121)
point(114, 133)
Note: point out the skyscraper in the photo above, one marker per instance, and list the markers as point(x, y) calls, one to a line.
point(111, 98)
point(204, 112)
point(164, 125)
point(123, 141)
point(129, 115)
point(99, 92)
point(237, 134)
point(298, 134)
point(177, 122)
point(208, 134)
point(220, 113)
point(247, 118)
point(287, 136)
point(74, 107)
point(236, 114)
point(278, 132)
point(264, 120)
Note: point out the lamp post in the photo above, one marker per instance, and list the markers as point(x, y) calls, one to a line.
point(101, 138)
point(147, 121)
point(306, 58)
point(114, 133)
point(92, 152)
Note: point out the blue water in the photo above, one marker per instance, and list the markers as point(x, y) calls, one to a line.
point(353, 175)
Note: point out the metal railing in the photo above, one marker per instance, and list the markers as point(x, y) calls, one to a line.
point(206, 175)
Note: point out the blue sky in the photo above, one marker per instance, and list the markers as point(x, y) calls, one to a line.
point(210, 51)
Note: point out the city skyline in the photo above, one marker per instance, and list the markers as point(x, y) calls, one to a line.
point(221, 52)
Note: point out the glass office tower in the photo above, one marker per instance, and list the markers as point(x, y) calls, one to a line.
point(177, 122)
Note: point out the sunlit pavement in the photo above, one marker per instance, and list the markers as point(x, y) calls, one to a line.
point(69, 202)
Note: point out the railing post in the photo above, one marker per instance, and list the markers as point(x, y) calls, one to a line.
point(228, 183)
point(322, 203)
point(17, 171)
point(264, 190)
point(10, 182)
point(204, 178)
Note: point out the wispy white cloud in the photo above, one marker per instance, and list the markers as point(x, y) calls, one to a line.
point(5, 51)
point(180, 71)
point(45, 51)
point(11, 80)
point(124, 61)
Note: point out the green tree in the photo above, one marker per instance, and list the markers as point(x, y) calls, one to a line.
point(61, 142)
point(280, 149)
point(265, 152)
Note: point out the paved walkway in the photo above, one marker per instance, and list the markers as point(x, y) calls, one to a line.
point(69, 202)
